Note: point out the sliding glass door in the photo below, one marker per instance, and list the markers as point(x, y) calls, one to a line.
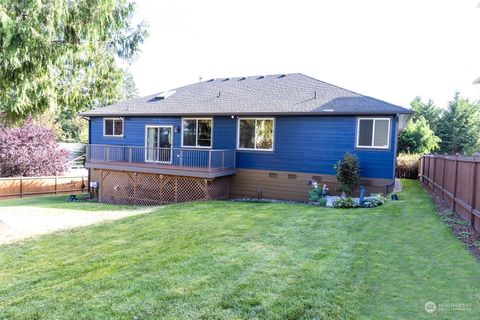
point(158, 144)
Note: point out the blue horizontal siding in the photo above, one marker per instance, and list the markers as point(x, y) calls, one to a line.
point(302, 144)
point(315, 144)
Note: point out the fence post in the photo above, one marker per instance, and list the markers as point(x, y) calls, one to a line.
point(21, 187)
point(455, 184)
point(442, 193)
point(434, 172)
point(56, 184)
point(474, 191)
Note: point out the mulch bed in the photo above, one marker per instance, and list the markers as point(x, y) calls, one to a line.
point(461, 228)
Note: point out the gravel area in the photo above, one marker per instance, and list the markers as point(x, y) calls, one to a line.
point(21, 222)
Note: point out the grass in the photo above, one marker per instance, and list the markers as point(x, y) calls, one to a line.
point(60, 202)
point(233, 260)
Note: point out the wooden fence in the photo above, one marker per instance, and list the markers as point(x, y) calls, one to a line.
point(18, 187)
point(406, 173)
point(456, 179)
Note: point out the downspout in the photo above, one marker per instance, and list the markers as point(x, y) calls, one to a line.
point(391, 185)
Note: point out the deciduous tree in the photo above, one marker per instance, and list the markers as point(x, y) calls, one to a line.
point(417, 137)
point(30, 150)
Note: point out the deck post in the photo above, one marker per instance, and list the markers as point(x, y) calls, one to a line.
point(181, 157)
point(130, 154)
point(209, 159)
point(223, 159)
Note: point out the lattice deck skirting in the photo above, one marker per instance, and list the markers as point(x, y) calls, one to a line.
point(119, 187)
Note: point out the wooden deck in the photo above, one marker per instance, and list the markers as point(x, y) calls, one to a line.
point(159, 168)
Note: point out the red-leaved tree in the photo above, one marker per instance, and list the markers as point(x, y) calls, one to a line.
point(30, 150)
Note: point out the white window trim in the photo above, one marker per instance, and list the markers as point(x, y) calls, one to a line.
point(171, 147)
point(373, 133)
point(196, 136)
point(255, 138)
point(113, 124)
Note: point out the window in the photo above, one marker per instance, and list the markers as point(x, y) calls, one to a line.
point(255, 134)
point(373, 133)
point(113, 127)
point(197, 133)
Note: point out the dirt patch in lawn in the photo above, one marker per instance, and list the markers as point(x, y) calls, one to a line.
point(21, 222)
point(461, 228)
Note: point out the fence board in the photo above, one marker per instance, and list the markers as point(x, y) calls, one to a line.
point(18, 187)
point(457, 181)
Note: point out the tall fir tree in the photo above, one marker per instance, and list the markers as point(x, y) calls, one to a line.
point(427, 110)
point(459, 126)
point(59, 53)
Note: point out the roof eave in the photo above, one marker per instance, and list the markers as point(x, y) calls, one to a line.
point(324, 113)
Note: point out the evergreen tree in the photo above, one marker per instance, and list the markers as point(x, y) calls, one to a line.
point(459, 126)
point(427, 110)
point(60, 53)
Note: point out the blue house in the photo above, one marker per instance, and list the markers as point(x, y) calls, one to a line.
point(260, 136)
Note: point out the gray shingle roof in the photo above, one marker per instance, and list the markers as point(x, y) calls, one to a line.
point(268, 95)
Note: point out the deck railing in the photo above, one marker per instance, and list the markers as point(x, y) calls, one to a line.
point(209, 159)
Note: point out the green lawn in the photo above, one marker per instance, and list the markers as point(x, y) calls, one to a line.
point(231, 260)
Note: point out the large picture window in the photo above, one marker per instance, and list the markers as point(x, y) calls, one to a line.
point(373, 133)
point(255, 134)
point(197, 132)
point(113, 127)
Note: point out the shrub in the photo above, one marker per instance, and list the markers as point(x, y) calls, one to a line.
point(374, 201)
point(30, 150)
point(407, 165)
point(345, 203)
point(348, 173)
point(322, 202)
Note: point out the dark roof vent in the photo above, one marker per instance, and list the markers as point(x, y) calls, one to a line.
point(211, 80)
point(226, 79)
point(261, 77)
point(242, 78)
point(281, 76)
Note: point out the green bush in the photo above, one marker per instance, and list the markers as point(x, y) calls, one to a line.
point(374, 201)
point(322, 202)
point(345, 203)
point(348, 173)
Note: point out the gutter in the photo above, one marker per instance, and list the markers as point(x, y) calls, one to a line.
point(322, 113)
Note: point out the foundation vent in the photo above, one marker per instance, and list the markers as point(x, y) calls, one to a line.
point(292, 176)
point(272, 174)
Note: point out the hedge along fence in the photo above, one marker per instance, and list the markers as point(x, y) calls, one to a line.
point(407, 166)
point(455, 179)
point(27, 186)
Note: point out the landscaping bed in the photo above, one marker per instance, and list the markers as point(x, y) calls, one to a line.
point(460, 228)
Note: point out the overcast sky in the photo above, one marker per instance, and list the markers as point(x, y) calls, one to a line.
point(391, 50)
